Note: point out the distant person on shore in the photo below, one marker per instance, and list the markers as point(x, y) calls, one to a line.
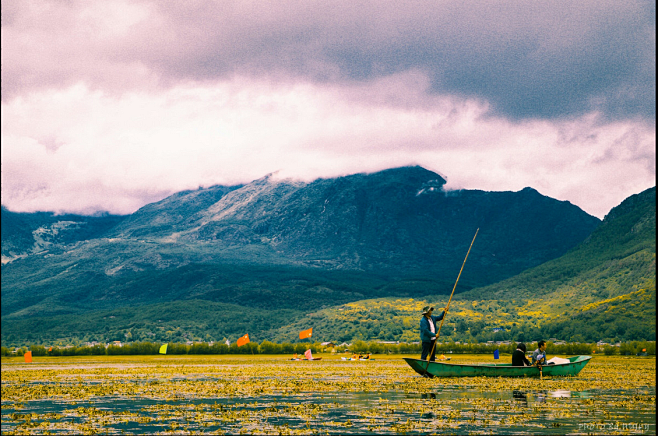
point(518, 357)
point(539, 355)
point(428, 329)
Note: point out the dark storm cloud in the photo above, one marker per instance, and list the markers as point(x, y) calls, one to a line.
point(527, 59)
point(547, 59)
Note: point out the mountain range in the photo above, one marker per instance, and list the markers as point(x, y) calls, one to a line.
point(199, 259)
point(602, 289)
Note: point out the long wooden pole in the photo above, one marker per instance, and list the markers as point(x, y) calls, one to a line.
point(450, 299)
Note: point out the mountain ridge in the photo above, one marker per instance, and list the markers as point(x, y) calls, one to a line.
point(363, 221)
point(610, 295)
point(632, 224)
point(287, 245)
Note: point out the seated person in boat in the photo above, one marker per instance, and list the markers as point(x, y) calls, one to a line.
point(367, 356)
point(539, 355)
point(428, 329)
point(518, 357)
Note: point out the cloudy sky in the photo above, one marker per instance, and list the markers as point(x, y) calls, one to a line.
point(109, 105)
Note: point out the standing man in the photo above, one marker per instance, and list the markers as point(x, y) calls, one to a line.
point(428, 329)
point(539, 355)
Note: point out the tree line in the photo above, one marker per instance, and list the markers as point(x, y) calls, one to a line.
point(373, 347)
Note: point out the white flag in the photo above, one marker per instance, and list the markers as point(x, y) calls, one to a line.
point(228, 342)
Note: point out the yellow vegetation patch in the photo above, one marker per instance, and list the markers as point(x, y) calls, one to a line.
point(533, 314)
point(626, 297)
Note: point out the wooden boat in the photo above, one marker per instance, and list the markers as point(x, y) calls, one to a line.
point(442, 369)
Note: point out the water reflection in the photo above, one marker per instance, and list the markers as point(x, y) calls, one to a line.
point(540, 396)
point(524, 398)
point(392, 412)
point(520, 397)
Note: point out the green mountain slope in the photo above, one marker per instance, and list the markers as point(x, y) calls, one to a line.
point(616, 259)
point(624, 318)
point(24, 234)
point(174, 321)
point(283, 244)
point(172, 214)
point(604, 288)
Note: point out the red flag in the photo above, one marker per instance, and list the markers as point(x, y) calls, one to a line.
point(243, 340)
point(28, 357)
point(306, 333)
point(308, 355)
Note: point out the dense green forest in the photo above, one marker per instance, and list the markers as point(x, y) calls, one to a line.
point(624, 318)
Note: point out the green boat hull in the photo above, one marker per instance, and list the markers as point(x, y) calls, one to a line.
point(441, 369)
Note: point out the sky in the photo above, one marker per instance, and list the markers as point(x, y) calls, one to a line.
point(110, 105)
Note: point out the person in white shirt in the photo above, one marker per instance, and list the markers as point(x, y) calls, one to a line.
point(539, 355)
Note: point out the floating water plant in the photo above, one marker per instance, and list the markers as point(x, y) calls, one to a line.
point(272, 395)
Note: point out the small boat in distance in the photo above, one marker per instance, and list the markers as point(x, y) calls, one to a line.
point(442, 369)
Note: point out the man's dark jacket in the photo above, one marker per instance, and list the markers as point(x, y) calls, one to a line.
point(425, 332)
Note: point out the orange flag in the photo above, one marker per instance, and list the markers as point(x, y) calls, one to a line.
point(243, 340)
point(28, 357)
point(306, 333)
point(308, 355)
point(50, 349)
point(644, 349)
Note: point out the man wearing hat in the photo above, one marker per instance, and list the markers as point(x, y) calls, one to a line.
point(428, 329)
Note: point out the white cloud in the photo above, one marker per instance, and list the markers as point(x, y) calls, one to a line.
point(80, 150)
point(526, 59)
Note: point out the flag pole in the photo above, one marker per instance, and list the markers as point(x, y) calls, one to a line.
point(429, 356)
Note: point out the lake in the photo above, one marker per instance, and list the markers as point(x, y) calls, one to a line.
point(274, 395)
